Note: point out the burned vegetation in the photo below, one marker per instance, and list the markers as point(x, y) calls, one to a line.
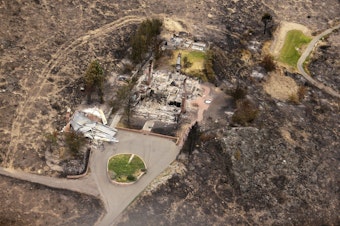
point(252, 160)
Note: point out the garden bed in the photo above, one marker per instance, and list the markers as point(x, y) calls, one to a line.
point(125, 168)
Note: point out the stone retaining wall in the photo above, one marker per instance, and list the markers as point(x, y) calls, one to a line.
point(176, 139)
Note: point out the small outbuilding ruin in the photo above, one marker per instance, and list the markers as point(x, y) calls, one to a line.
point(91, 123)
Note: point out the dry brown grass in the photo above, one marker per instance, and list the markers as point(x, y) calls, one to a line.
point(237, 154)
point(294, 98)
point(302, 91)
point(245, 113)
point(206, 137)
point(280, 87)
point(268, 63)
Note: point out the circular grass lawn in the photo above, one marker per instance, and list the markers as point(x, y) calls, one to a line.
point(125, 168)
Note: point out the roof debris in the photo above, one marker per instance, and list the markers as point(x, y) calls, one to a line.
point(82, 122)
point(96, 112)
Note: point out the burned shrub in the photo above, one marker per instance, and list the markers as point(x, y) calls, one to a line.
point(238, 93)
point(294, 98)
point(268, 63)
point(302, 91)
point(245, 113)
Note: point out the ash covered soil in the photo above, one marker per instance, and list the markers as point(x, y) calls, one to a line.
point(24, 203)
point(325, 63)
point(281, 169)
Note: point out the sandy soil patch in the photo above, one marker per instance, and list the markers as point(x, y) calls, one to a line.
point(280, 87)
point(280, 35)
point(287, 136)
point(246, 56)
point(172, 26)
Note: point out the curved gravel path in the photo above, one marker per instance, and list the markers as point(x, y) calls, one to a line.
point(306, 53)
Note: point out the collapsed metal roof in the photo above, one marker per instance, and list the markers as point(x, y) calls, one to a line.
point(91, 129)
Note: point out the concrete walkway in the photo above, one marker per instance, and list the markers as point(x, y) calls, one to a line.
point(116, 119)
point(303, 57)
point(84, 185)
point(148, 125)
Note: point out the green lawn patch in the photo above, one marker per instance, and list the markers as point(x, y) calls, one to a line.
point(290, 53)
point(121, 170)
point(195, 57)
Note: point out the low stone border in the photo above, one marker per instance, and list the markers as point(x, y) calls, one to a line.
point(86, 170)
point(176, 139)
point(121, 183)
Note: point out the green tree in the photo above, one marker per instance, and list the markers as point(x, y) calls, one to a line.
point(125, 95)
point(144, 38)
point(94, 80)
point(208, 67)
point(74, 142)
point(124, 98)
point(139, 47)
point(52, 139)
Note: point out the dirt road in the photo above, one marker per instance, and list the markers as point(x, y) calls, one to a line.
point(306, 53)
point(34, 94)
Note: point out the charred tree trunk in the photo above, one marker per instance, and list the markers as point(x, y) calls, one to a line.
point(192, 139)
point(89, 97)
point(101, 95)
point(265, 19)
